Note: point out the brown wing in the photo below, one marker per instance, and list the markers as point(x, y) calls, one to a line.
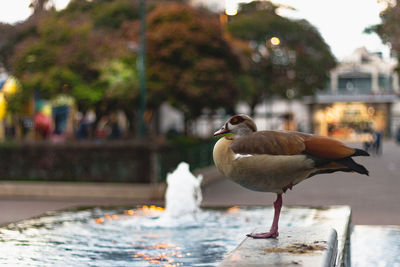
point(291, 143)
point(328, 148)
point(270, 142)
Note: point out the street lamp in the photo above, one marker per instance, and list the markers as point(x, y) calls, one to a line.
point(142, 68)
point(231, 7)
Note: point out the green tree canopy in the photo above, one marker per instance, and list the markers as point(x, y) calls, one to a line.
point(297, 66)
point(190, 62)
point(69, 48)
point(389, 29)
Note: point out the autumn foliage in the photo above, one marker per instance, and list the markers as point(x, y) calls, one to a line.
point(190, 62)
point(194, 61)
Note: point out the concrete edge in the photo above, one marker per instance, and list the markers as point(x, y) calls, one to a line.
point(210, 175)
point(282, 251)
point(63, 190)
point(330, 255)
point(343, 256)
point(93, 190)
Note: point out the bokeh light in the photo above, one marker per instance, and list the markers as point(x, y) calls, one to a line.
point(275, 41)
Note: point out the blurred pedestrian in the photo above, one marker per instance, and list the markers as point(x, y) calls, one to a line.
point(103, 129)
point(42, 125)
point(62, 109)
point(42, 122)
point(377, 144)
point(81, 132)
point(90, 119)
point(369, 138)
point(115, 129)
point(85, 125)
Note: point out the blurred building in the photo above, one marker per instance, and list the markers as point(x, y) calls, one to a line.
point(171, 120)
point(272, 114)
point(362, 96)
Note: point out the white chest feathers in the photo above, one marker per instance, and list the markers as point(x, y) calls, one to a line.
point(260, 172)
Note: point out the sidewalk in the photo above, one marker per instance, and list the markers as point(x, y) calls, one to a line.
point(374, 199)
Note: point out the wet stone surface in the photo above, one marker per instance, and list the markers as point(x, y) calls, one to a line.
point(300, 246)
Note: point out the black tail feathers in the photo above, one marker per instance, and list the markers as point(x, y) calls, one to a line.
point(360, 152)
point(351, 164)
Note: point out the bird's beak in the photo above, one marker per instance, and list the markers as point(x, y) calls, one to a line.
point(223, 130)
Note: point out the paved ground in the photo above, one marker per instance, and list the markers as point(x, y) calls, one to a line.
point(374, 199)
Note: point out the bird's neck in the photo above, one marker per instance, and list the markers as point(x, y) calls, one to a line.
point(243, 131)
point(223, 155)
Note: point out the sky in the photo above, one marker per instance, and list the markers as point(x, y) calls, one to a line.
point(340, 22)
point(12, 11)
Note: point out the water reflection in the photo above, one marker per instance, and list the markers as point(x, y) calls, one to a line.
point(375, 246)
point(134, 237)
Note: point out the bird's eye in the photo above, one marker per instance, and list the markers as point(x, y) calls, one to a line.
point(236, 120)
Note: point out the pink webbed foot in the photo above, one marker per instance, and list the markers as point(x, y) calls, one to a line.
point(271, 234)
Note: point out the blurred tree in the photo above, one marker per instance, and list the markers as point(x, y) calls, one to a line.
point(38, 6)
point(190, 62)
point(90, 46)
point(115, 14)
point(389, 29)
point(122, 83)
point(11, 35)
point(289, 58)
point(68, 48)
point(6, 33)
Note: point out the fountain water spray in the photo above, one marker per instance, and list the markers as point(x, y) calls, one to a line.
point(183, 196)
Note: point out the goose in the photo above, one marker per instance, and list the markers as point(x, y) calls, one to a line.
point(275, 161)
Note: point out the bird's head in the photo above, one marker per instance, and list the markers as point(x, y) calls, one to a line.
point(239, 125)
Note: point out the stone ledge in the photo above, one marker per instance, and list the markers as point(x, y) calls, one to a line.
point(318, 225)
point(84, 190)
point(64, 190)
point(296, 246)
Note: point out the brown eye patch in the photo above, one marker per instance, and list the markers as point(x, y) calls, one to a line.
point(236, 120)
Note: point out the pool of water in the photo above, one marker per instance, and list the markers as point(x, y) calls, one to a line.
point(141, 236)
point(375, 246)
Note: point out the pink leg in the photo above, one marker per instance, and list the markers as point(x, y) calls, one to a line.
point(273, 232)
